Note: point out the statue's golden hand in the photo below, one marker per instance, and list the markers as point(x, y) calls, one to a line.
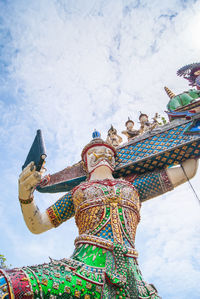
point(28, 180)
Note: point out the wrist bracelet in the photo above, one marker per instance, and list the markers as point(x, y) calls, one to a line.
point(26, 201)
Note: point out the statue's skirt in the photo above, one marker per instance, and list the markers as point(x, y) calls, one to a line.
point(91, 272)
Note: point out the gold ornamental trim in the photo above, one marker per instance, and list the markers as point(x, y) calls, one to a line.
point(103, 243)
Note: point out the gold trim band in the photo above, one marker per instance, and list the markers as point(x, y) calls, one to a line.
point(103, 243)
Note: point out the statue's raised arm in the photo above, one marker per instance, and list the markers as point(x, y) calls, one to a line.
point(36, 221)
point(158, 182)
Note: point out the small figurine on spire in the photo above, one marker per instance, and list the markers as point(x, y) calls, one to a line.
point(145, 124)
point(113, 138)
point(130, 132)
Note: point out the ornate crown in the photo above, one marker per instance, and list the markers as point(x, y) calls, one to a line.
point(96, 141)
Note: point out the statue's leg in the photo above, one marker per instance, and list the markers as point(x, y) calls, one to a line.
point(58, 279)
point(145, 290)
point(123, 277)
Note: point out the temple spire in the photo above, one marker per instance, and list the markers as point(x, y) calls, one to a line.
point(169, 92)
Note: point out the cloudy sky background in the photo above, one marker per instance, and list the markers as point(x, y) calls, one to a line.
point(68, 67)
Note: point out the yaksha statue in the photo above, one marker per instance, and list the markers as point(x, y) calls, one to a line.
point(107, 212)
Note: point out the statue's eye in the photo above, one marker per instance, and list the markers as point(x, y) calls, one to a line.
point(90, 152)
point(100, 151)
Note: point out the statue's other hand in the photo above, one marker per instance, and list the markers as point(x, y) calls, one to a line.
point(179, 175)
point(190, 167)
point(28, 179)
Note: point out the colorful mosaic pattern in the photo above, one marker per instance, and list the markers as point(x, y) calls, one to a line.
point(91, 273)
point(155, 152)
point(4, 288)
point(62, 210)
point(106, 232)
point(104, 263)
point(151, 184)
point(99, 209)
point(169, 145)
point(15, 283)
point(194, 128)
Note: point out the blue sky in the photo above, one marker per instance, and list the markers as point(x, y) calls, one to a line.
point(68, 67)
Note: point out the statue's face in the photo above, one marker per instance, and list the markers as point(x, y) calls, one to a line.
point(129, 125)
point(197, 73)
point(143, 118)
point(100, 156)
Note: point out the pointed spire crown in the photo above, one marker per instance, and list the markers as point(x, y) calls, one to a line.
point(169, 92)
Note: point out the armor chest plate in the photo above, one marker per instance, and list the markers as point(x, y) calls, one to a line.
point(113, 203)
